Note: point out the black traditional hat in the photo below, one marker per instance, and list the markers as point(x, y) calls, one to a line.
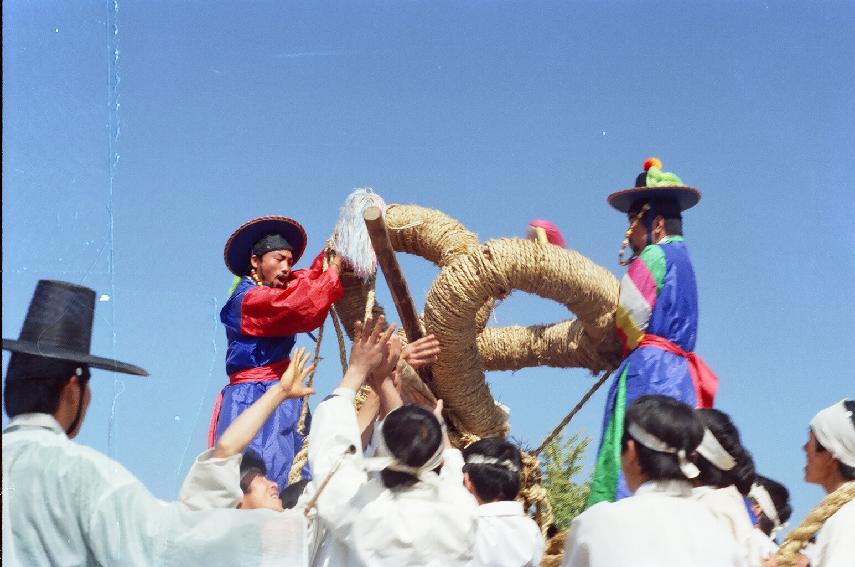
point(58, 328)
point(653, 183)
point(238, 248)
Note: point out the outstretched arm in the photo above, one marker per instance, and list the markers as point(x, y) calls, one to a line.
point(298, 308)
point(246, 426)
point(383, 379)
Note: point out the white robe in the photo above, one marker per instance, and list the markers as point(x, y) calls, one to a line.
point(835, 542)
point(766, 546)
point(507, 537)
point(212, 482)
point(425, 524)
point(728, 506)
point(67, 504)
point(660, 525)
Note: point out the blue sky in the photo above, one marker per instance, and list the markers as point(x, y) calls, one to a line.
point(138, 135)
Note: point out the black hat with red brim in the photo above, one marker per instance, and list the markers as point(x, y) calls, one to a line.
point(654, 184)
point(238, 250)
point(58, 328)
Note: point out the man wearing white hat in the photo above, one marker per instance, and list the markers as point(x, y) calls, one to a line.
point(830, 455)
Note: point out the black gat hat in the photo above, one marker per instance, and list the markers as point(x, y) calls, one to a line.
point(58, 328)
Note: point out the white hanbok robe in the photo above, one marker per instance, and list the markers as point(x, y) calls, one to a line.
point(659, 526)
point(431, 524)
point(67, 504)
point(766, 546)
point(835, 542)
point(507, 537)
point(728, 506)
point(212, 482)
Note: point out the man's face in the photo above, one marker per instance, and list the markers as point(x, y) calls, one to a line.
point(818, 464)
point(638, 236)
point(274, 268)
point(262, 493)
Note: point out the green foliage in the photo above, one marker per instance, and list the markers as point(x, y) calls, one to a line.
point(560, 464)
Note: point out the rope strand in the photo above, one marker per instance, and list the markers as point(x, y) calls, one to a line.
point(554, 433)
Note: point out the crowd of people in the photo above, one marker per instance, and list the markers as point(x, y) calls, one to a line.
point(383, 485)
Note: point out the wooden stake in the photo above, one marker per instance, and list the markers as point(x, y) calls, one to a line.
point(392, 272)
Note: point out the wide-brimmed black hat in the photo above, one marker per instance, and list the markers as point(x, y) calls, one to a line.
point(238, 248)
point(58, 327)
point(652, 184)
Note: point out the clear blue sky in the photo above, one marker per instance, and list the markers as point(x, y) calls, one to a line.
point(138, 135)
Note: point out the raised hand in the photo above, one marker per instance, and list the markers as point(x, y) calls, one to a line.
point(421, 352)
point(370, 346)
point(291, 381)
point(387, 366)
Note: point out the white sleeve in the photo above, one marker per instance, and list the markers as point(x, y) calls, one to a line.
point(129, 526)
point(835, 543)
point(213, 482)
point(539, 544)
point(334, 430)
point(452, 467)
point(576, 550)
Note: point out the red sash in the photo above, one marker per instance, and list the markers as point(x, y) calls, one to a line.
point(268, 373)
point(703, 378)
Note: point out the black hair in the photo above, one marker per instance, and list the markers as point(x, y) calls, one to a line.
point(291, 493)
point(667, 208)
point(780, 498)
point(494, 482)
point(742, 475)
point(674, 423)
point(251, 466)
point(40, 386)
point(270, 243)
point(847, 472)
point(413, 435)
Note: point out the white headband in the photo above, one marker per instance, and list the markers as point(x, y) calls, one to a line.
point(759, 493)
point(833, 428)
point(478, 459)
point(655, 444)
point(385, 460)
point(711, 450)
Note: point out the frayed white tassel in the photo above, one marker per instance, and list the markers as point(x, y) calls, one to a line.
point(350, 239)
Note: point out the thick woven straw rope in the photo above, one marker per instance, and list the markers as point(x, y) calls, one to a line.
point(797, 539)
point(492, 271)
point(459, 304)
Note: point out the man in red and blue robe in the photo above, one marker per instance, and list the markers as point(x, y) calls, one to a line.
point(656, 319)
point(269, 306)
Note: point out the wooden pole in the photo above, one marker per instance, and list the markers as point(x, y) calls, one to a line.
point(392, 272)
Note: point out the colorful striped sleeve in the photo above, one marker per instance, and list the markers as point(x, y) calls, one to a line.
point(638, 291)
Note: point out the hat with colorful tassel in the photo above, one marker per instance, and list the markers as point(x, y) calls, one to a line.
point(655, 184)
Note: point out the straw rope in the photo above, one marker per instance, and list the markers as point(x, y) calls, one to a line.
point(562, 345)
point(370, 298)
point(459, 304)
point(553, 555)
point(797, 539)
point(342, 348)
point(428, 233)
point(557, 430)
point(493, 270)
point(533, 494)
point(302, 456)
